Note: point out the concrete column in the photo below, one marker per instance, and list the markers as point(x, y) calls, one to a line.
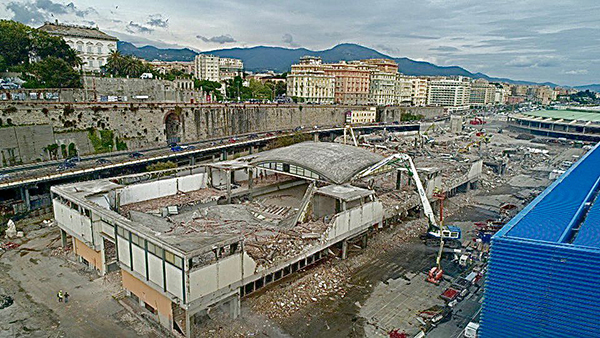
point(228, 186)
point(364, 240)
point(344, 249)
point(63, 238)
point(316, 137)
point(398, 179)
point(25, 197)
point(235, 306)
point(250, 181)
point(188, 325)
point(251, 150)
point(224, 155)
point(192, 160)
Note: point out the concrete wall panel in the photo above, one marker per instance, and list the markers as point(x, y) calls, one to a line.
point(124, 257)
point(76, 224)
point(139, 260)
point(174, 280)
point(155, 270)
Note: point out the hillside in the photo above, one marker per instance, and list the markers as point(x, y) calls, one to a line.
point(279, 59)
point(591, 87)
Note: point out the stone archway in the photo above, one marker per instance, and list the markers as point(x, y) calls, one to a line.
point(173, 127)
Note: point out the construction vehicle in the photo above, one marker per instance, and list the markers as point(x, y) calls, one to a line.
point(477, 121)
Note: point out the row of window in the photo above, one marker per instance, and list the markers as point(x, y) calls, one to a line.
point(151, 247)
point(290, 168)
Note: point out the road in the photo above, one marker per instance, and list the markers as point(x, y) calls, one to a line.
point(39, 172)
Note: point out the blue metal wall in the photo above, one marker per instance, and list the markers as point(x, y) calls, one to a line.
point(535, 290)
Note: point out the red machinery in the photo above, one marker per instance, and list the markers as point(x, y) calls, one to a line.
point(477, 121)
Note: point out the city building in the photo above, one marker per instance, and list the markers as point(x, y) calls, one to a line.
point(361, 116)
point(206, 67)
point(403, 90)
point(382, 88)
point(544, 265)
point(384, 65)
point(482, 93)
point(352, 81)
point(230, 68)
point(198, 239)
point(92, 45)
point(164, 67)
point(308, 82)
point(450, 93)
point(418, 93)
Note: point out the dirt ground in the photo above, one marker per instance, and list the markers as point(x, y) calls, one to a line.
point(33, 274)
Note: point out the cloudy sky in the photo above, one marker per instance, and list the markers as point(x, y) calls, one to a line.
point(536, 40)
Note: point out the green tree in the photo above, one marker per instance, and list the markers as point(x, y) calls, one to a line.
point(53, 72)
point(3, 64)
point(44, 45)
point(121, 65)
point(15, 43)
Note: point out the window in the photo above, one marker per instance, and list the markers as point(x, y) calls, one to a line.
point(123, 233)
point(137, 240)
point(175, 260)
point(155, 250)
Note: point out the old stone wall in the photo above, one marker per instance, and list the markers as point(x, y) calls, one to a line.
point(394, 113)
point(142, 125)
point(24, 144)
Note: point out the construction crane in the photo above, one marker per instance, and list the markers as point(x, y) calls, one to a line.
point(441, 233)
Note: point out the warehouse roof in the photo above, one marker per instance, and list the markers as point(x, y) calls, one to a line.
point(334, 162)
point(567, 212)
point(570, 115)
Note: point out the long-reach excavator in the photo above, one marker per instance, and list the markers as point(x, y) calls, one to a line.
point(436, 233)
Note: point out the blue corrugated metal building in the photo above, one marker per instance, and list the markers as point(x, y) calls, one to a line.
point(543, 275)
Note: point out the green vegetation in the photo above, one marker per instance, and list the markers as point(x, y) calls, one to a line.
point(72, 150)
point(211, 87)
point(255, 90)
point(52, 150)
point(120, 65)
point(175, 74)
point(410, 117)
point(45, 61)
point(161, 166)
point(104, 142)
point(288, 140)
point(121, 145)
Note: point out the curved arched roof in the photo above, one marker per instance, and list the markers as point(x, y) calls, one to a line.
point(335, 162)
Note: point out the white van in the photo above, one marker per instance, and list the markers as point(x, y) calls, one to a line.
point(471, 330)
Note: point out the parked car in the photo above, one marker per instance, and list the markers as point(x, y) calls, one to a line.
point(66, 165)
point(136, 154)
point(74, 159)
point(103, 161)
point(176, 148)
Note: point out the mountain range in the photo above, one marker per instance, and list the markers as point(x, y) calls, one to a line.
point(279, 59)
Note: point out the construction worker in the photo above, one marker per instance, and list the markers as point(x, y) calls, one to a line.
point(60, 296)
point(66, 296)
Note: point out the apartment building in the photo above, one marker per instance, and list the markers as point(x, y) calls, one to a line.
point(92, 45)
point(361, 116)
point(352, 81)
point(451, 93)
point(482, 93)
point(206, 67)
point(308, 82)
point(382, 88)
point(230, 68)
point(403, 90)
point(418, 94)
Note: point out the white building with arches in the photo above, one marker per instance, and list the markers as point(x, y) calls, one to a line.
point(92, 45)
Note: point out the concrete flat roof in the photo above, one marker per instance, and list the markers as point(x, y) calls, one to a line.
point(344, 192)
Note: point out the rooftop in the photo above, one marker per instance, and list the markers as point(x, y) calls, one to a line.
point(567, 213)
point(79, 31)
point(335, 163)
point(566, 115)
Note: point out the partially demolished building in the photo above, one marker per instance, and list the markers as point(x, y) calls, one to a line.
point(190, 240)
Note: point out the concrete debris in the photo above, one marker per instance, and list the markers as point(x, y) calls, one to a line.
point(313, 286)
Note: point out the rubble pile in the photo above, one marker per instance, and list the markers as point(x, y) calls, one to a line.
point(180, 199)
point(316, 284)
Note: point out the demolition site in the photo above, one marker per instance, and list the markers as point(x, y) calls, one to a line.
point(377, 235)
